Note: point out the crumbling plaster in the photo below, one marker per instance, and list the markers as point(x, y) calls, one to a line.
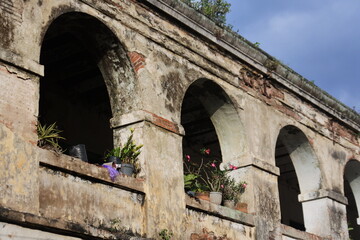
point(166, 60)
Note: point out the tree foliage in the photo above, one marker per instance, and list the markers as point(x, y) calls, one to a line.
point(216, 10)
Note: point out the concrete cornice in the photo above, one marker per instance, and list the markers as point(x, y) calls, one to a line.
point(260, 164)
point(258, 59)
point(144, 115)
point(322, 193)
point(21, 62)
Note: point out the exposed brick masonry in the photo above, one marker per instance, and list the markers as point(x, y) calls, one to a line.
point(164, 123)
point(137, 60)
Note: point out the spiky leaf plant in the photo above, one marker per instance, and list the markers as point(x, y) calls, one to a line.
point(48, 136)
point(130, 151)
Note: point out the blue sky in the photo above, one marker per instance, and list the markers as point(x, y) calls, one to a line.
point(318, 39)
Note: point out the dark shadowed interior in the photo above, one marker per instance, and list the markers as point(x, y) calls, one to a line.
point(73, 92)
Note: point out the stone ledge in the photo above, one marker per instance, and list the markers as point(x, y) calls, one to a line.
point(26, 64)
point(297, 234)
point(59, 226)
point(143, 115)
point(322, 193)
point(260, 164)
point(89, 171)
point(219, 211)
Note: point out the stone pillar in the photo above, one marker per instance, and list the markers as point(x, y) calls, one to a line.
point(19, 91)
point(262, 195)
point(161, 163)
point(325, 214)
point(19, 87)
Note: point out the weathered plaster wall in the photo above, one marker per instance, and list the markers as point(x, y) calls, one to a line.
point(199, 223)
point(162, 169)
point(14, 232)
point(19, 184)
point(70, 198)
point(19, 91)
point(160, 59)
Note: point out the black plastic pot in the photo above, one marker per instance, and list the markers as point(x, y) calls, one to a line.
point(114, 159)
point(78, 151)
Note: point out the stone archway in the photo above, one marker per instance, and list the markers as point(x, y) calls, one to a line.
point(209, 118)
point(352, 192)
point(299, 173)
point(85, 69)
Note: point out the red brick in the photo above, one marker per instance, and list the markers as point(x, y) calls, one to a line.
point(137, 60)
point(164, 123)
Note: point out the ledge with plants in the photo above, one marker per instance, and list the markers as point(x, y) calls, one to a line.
point(204, 179)
point(123, 160)
point(203, 206)
point(48, 137)
point(52, 158)
point(91, 172)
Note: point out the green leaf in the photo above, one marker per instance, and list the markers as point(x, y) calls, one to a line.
point(49, 136)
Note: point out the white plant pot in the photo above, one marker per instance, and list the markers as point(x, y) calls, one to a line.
point(216, 197)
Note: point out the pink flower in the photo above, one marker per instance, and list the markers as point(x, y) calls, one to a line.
point(188, 158)
point(244, 185)
point(207, 151)
point(213, 165)
point(222, 186)
point(233, 167)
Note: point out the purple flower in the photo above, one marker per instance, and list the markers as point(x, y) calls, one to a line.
point(113, 173)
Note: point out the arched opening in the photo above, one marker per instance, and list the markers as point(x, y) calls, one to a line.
point(210, 121)
point(84, 65)
point(352, 193)
point(196, 120)
point(290, 207)
point(209, 117)
point(299, 173)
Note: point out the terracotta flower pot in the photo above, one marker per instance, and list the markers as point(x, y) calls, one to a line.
point(241, 207)
point(203, 196)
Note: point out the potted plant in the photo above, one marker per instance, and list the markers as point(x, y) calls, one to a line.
point(200, 176)
point(190, 182)
point(49, 136)
point(193, 184)
point(78, 151)
point(232, 191)
point(113, 156)
point(194, 188)
point(208, 175)
point(129, 156)
point(215, 179)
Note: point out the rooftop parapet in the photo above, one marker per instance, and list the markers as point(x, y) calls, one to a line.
point(257, 58)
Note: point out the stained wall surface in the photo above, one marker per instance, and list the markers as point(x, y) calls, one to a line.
point(147, 55)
